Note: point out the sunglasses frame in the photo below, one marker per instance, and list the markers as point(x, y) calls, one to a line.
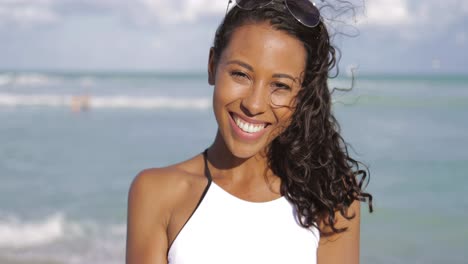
point(285, 2)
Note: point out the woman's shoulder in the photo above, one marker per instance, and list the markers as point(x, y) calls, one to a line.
point(169, 185)
point(155, 197)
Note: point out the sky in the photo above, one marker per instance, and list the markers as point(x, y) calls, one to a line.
point(389, 36)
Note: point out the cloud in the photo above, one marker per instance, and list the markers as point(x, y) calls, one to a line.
point(387, 12)
point(151, 34)
point(141, 12)
point(413, 14)
point(25, 13)
point(182, 11)
point(460, 38)
point(377, 13)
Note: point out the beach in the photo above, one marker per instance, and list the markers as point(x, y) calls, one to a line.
point(71, 143)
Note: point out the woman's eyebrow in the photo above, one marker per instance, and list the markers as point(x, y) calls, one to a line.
point(284, 75)
point(250, 68)
point(240, 63)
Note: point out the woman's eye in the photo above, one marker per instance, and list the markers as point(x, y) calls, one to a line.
point(239, 74)
point(281, 86)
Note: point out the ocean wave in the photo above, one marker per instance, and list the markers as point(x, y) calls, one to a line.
point(118, 230)
point(5, 79)
point(28, 79)
point(21, 233)
point(42, 79)
point(17, 233)
point(399, 101)
point(60, 239)
point(132, 102)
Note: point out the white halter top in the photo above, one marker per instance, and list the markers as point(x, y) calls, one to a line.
point(226, 229)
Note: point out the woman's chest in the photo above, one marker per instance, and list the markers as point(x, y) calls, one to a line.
point(226, 230)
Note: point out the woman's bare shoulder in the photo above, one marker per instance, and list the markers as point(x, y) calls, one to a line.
point(154, 196)
point(167, 183)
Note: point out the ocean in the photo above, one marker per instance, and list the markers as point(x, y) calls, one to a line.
point(71, 143)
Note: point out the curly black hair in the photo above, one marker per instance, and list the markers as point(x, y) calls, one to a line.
point(318, 176)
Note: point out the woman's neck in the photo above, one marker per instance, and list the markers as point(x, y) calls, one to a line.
point(235, 169)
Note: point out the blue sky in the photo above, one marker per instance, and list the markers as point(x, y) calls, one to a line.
point(395, 36)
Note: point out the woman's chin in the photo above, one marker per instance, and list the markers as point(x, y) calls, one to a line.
point(245, 151)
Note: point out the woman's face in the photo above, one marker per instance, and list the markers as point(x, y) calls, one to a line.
point(256, 79)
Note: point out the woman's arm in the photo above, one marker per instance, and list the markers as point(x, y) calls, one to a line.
point(147, 219)
point(342, 248)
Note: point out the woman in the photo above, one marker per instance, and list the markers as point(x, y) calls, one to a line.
point(277, 185)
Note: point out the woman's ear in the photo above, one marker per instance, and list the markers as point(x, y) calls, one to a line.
point(211, 67)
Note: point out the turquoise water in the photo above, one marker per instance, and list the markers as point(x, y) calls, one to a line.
point(64, 175)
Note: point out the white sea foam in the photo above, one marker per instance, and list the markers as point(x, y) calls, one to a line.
point(33, 79)
point(118, 230)
point(59, 239)
point(156, 102)
point(33, 100)
point(5, 79)
point(17, 233)
point(86, 81)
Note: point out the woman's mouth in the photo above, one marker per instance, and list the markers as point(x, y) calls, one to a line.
point(247, 129)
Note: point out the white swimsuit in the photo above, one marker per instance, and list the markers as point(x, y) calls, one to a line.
point(224, 229)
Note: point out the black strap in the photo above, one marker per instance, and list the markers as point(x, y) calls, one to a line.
point(207, 170)
point(208, 176)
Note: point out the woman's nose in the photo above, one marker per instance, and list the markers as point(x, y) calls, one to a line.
point(256, 101)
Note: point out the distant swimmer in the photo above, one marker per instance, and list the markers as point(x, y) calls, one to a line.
point(80, 103)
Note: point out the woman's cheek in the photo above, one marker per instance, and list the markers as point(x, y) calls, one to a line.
point(229, 91)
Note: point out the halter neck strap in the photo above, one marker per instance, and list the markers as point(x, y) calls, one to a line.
point(207, 170)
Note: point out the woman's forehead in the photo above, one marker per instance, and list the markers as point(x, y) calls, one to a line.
point(263, 46)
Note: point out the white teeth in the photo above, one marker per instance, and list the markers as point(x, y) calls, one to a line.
point(248, 127)
point(244, 126)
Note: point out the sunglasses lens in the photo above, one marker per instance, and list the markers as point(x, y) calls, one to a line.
point(304, 11)
point(252, 4)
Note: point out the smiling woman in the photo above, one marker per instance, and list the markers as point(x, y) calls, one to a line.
point(255, 87)
point(277, 185)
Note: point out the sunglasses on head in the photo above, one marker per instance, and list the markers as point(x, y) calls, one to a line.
point(303, 11)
